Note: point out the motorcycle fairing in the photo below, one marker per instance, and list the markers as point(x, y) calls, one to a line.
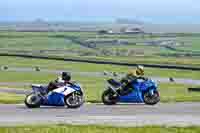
point(54, 99)
point(133, 97)
point(57, 96)
point(65, 90)
point(136, 96)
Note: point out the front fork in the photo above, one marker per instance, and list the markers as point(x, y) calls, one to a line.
point(113, 89)
point(115, 93)
point(151, 92)
point(74, 95)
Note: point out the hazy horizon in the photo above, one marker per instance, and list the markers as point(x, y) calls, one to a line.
point(154, 11)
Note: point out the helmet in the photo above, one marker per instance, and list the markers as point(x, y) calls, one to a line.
point(140, 70)
point(66, 76)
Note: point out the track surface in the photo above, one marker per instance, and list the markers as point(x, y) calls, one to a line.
point(172, 114)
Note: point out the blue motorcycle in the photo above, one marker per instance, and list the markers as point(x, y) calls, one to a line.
point(69, 95)
point(142, 91)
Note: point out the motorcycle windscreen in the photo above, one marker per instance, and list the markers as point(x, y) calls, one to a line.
point(55, 99)
point(145, 85)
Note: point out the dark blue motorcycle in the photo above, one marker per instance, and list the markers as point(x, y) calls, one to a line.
point(143, 91)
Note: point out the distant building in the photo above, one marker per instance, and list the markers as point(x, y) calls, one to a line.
point(122, 30)
point(106, 32)
point(103, 32)
point(128, 21)
point(133, 31)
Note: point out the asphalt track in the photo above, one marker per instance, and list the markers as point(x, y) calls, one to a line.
point(170, 114)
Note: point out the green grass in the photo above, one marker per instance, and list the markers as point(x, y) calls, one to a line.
point(149, 60)
point(38, 43)
point(97, 129)
point(171, 92)
point(56, 41)
point(34, 42)
point(8, 98)
point(43, 34)
point(136, 59)
point(88, 67)
point(35, 77)
point(194, 44)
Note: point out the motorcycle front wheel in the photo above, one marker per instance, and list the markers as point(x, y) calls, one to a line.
point(151, 99)
point(74, 100)
point(32, 101)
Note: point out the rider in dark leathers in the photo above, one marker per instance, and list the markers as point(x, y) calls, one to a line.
point(126, 81)
point(60, 81)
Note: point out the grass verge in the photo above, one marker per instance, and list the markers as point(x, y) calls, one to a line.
point(97, 129)
point(88, 67)
point(8, 98)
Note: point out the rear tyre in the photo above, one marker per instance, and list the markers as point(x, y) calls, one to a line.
point(151, 100)
point(32, 101)
point(74, 100)
point(108, 97)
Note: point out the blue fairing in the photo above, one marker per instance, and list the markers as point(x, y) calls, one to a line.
point(76, 87)
point(136, 96)
point(57, 99)
point(54, 99)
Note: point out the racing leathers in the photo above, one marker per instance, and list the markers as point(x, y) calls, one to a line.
point(126, 81)
point(59, 82)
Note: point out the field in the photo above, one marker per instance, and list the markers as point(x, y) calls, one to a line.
point(184, 51)
point(140, 48)
point(88, 67)
point(97, 129)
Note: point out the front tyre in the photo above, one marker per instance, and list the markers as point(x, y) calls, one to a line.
point(75, 100)
point(151, 99)
point(32, 101)
point(108, 97)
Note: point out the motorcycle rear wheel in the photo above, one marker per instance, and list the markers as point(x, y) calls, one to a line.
point(108, 97)
point(32, 101)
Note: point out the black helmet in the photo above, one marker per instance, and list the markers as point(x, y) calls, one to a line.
point(66, 76)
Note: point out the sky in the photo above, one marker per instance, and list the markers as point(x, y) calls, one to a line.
point(152, 11)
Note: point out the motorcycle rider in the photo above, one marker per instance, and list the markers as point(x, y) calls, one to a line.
point(60, 81)
point(132, 75)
